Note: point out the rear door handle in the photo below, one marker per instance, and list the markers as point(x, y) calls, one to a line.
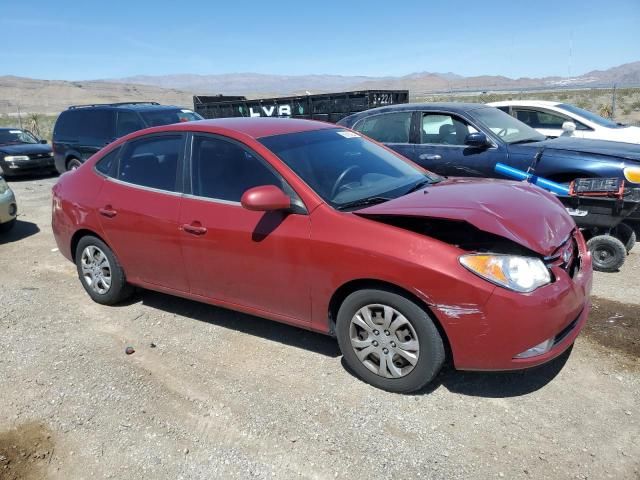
point(194, 228)
point(108, 211)
point(427, 156)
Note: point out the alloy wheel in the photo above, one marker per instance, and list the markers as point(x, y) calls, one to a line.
point(96, 270)
point(384, 341)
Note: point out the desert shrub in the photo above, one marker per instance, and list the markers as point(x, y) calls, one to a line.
point(605, 110)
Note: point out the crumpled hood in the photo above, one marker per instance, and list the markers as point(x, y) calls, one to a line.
point(518, 211)
point(25, 149)
point(628, 151)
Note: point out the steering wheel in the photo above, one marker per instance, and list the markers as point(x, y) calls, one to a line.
point(341, 177)
point(502, 132)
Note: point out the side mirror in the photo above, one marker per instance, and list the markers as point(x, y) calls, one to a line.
point(568, 127)
point(265, 198)
point(43, 141)
point(476, 139)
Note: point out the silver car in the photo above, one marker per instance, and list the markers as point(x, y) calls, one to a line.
point(8, 207)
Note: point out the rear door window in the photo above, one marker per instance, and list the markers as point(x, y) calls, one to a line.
point(128, 122)
point(540, 118)
point(153, 162)
point(97, 127)
point(154, 118)
point(387, 127)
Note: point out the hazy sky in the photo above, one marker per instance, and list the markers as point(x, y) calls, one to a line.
point(113, 38)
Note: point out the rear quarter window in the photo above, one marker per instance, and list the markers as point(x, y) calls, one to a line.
point(67, 123)
point(90, 126)
point(106, 165)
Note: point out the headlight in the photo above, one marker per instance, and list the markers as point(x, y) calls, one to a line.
point(521, 274)
point(4, 188)
point(632, 174)
point(16, 158)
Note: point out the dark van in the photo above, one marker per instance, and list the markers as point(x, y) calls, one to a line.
point(82, 130)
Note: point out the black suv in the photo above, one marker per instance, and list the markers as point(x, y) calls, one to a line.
point(82, 130)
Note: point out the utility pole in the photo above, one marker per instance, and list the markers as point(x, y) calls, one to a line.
point(613, 102)
point(19, 115)
point(570, 53)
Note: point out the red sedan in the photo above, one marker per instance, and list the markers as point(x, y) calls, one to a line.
point(317, 226)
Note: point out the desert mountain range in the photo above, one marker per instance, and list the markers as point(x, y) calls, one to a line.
point(52, 96)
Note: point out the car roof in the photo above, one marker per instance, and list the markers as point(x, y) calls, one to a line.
point(141, 106)
point(524, 103)
point(451, 107)
point(4, 129)
point(255, 127)
point(458, 107)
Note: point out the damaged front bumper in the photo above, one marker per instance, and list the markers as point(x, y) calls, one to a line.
point(520, 330)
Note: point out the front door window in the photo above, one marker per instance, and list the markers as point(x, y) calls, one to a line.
point(444, 129)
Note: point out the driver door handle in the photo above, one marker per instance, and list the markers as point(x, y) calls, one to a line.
point(194, 228)
point(428, 156)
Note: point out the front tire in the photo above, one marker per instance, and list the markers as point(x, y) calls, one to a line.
point(389, 341)
point(626, 235)
point(100, 273)
point(607, 252)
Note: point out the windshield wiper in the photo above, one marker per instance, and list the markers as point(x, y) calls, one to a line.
point(526, 140)
point(363, 202)
point(419, 185)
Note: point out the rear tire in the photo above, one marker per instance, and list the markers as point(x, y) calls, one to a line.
point(73, 164)
point(100, 273)
point(389, 341)
point(608, 253)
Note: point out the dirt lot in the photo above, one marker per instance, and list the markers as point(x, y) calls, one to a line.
point(210, 393)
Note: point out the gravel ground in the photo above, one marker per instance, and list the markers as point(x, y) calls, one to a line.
point(210, 393)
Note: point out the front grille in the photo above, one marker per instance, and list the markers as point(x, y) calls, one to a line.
point(40, 156)
point(567, 257)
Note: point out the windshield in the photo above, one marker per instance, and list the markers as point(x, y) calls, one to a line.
point(509, 129)
point(16, 136)
point(592, 117)
point(344, 168)
point(155, 118)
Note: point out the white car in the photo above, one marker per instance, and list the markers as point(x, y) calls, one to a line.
point(555, 119)
point(8, 207)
